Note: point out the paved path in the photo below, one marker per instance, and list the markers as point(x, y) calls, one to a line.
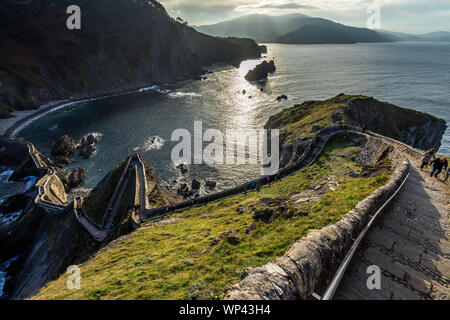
point(94, 231)
point(410, 243)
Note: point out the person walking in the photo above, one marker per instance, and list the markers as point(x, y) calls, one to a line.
point(427, 158)
point(439, 164)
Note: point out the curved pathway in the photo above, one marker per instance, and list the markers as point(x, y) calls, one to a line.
point(410, 244)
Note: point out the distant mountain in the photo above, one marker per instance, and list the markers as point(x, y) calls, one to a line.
point(443, 36)
point(261, 28)
point(438, 36)
point(291, 29)
point(311, 34)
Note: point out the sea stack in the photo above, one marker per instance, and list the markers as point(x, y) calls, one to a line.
point(261, 71)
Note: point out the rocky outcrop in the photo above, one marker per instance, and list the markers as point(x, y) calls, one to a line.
point(62, 149)
point(124, 46)
point(418, 129)
point(76, 178)
point(261, 71)
point(298, 124)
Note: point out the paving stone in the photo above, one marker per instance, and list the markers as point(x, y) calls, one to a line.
point(385, 262)
point(411, 252)
point(401, 293)
point(418, 281)
point(382, 239)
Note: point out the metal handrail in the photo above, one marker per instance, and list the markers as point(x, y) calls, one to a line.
point(337, 278)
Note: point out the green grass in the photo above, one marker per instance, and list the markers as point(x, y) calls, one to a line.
point(96, 202)
point(175, 261)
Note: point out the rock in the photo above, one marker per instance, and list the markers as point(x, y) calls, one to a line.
point(63, 147)
point(61, 161)
point(63, 177)
point(261, 71)
point(250, 229)
point(76, 177)
point(263, 48)
point(282, 97)
point(264, 215)
point(232, 237)
point(195, 185)
point(315, 128)
point(183, 191)
point(87, 152)
point(211, 184)
point(91, 139)
point(183, 168)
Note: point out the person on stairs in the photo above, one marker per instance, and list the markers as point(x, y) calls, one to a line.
point(439, 164)
point(427, 158)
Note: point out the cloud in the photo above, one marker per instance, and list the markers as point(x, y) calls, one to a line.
point(274, 5)
point(417, 16)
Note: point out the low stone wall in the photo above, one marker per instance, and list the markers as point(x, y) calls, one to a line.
point(310, 263)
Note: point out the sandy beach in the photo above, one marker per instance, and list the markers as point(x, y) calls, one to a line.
point(21, 118)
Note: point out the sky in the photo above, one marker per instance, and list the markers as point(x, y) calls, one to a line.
point(411, 16)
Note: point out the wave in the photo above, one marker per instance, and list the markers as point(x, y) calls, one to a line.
point(10, 217)
point(151, 144)
point(3, 268)
point(5, 175)
point(154, 88)
point(184, 94)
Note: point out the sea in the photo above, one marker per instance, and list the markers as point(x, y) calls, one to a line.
point(407, 74)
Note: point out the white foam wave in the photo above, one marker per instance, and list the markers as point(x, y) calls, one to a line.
point(184, 94)
point(154, 88)
point(151, 144)
point(3, 268)
point(10, 217)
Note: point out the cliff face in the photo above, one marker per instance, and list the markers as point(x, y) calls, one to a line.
point(299, 123)
point(415, 128)
point(122, 44)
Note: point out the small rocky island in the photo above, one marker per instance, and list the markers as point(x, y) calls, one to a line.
point(261, 71)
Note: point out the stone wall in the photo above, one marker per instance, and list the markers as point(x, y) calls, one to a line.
point(310, 263)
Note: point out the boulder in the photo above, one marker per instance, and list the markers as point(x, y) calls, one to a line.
point(264, 215)
point(63, 147)
point(263, 48)
point(282, 97)
point(91, 139)
point(183, 191)
point(195, 185)
point(183, 168)
point(261, 71)
point(76, 177)
point(232, 237)
point(63, 177)
point(87, 152)
point(61, 161)
point(211, 184)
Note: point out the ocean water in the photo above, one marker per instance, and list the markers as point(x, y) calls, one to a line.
point(411, 75)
